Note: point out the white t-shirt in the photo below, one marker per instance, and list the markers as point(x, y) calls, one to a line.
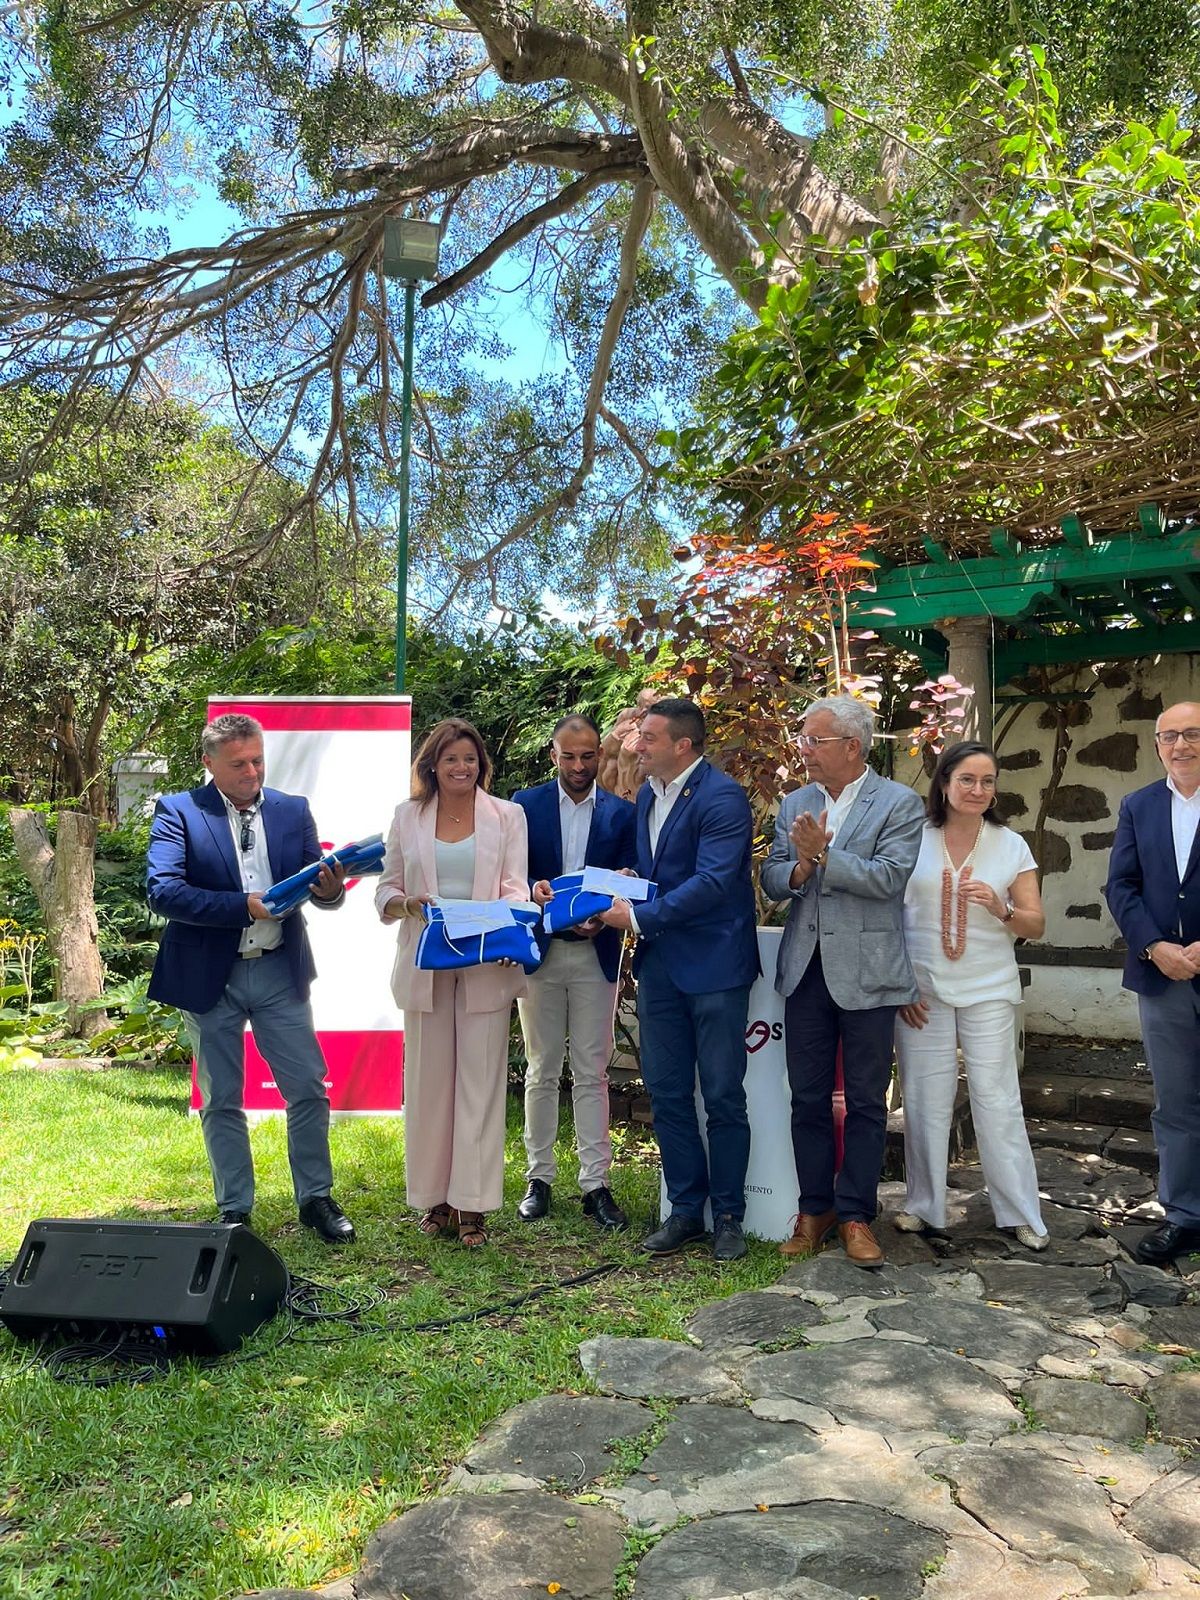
point(987, 968)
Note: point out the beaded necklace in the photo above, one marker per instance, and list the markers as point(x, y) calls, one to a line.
point(954, 900)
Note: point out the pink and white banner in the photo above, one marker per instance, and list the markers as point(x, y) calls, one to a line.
point(350, 757)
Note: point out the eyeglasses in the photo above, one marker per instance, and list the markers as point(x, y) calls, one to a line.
point(809, 741)
point(1169, 735)
point(247, 840)
point(965, 781)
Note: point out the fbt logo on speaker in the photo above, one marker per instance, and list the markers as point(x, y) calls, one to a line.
point(101, 1264)
point(760, 1033)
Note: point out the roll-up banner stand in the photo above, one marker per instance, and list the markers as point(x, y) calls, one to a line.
point(350, 758)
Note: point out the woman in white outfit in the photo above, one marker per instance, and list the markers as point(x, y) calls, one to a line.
point(973, 893)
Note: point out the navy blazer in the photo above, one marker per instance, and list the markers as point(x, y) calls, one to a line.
point(1144, 892)
point(192, 879)
point(610, 843)
point(704, 919)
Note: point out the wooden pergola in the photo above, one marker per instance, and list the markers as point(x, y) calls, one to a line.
point(1082, 598)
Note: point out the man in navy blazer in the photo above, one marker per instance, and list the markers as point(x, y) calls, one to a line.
point(1153, 892)
point(696, 961)
point(572, 823)
point(225, 960)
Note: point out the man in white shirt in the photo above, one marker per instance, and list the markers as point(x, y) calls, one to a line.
point(845, 847)
point(573, 824)
point(1153, 892)
point(224, 960)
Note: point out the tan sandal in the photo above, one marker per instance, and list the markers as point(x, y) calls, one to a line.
point(472, 1229)
point(436, 1220)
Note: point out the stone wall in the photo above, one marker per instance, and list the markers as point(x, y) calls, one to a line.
point(1111, 751)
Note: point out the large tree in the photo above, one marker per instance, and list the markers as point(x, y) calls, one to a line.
point(637, 174)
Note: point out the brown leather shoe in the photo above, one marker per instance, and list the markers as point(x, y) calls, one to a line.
point(860, 1244)
point(810, 1234)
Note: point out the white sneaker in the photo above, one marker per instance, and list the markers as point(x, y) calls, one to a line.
point(1030, 1238)
point(906, 1222)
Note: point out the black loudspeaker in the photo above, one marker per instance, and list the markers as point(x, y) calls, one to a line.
point(184, 1287)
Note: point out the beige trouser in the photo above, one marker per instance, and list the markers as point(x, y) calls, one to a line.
point(455, 1077)
point(568, 995)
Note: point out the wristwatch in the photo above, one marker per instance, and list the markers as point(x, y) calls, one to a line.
point(1010, 912)
point(820, 860)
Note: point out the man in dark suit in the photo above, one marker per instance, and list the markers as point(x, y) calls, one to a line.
point(1153, 892)
point(573, 823)
point(696, 960)
point(225, 960)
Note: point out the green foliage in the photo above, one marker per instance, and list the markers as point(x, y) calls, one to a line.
point(1035, 357)
point(512, 684)
point(117, 564)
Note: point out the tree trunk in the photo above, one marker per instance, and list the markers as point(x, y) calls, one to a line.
point(64, 881)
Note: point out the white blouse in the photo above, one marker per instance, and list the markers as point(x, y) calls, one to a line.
point(987, 968)
point(455, 868)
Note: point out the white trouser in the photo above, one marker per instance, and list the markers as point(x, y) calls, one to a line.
point(568, 994)
point(928, 1065)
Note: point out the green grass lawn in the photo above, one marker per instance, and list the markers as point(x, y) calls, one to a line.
point(274, 1471)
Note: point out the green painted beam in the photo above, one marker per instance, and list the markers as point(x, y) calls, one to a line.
point(1063, 603)
point(1076, 532)
point(1188, 588)
point(1151, 520)
point(1117, 644)
point(1129, 600)
point(1003, 543)
point(1011, 587)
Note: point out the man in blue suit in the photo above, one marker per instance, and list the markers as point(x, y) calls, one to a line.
point(225, 960)
point(573, 823)
point(696, 960)
point(1153, 892)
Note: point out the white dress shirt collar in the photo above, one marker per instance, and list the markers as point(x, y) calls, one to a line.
point(838, 810)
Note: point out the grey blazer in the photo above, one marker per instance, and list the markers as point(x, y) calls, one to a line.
point(854, 904)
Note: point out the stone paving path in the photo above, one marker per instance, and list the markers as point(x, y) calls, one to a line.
point(969, 1423)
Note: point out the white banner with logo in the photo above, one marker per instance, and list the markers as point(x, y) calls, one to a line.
point(350, 757)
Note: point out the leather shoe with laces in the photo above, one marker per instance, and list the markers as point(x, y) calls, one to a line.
point(860, 1244)
point(809, 1234)
point(729, 1242)
point(326, 1217)
point(230, 1218)
point(603, 1209)
point(536, 1202)
point(1171, 1239)
point(678, 1230)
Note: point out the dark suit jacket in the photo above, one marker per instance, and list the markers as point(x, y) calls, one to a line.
point(704, 919)
point(1144, 893)
point(192, 878)
point(610, 843)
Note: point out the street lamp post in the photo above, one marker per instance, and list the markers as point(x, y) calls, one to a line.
point(410, 253)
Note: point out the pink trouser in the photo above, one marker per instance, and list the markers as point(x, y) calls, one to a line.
point(455, 1081)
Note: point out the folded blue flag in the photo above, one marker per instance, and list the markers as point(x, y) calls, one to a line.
point(572, 904)
point(437, 952)
point(360, 859)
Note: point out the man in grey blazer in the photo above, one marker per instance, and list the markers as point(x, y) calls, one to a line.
point(845, 847)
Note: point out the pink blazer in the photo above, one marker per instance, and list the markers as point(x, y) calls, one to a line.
point(501, 873)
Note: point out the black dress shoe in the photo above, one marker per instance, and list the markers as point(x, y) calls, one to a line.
point(536, 1202)
point(1159, 1249)
point(678, 1230)
point(599, 1204)
point(233, 1217)
point(326, 1217)
point(729, 1242)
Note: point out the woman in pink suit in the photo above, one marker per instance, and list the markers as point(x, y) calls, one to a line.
point(453, 840)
